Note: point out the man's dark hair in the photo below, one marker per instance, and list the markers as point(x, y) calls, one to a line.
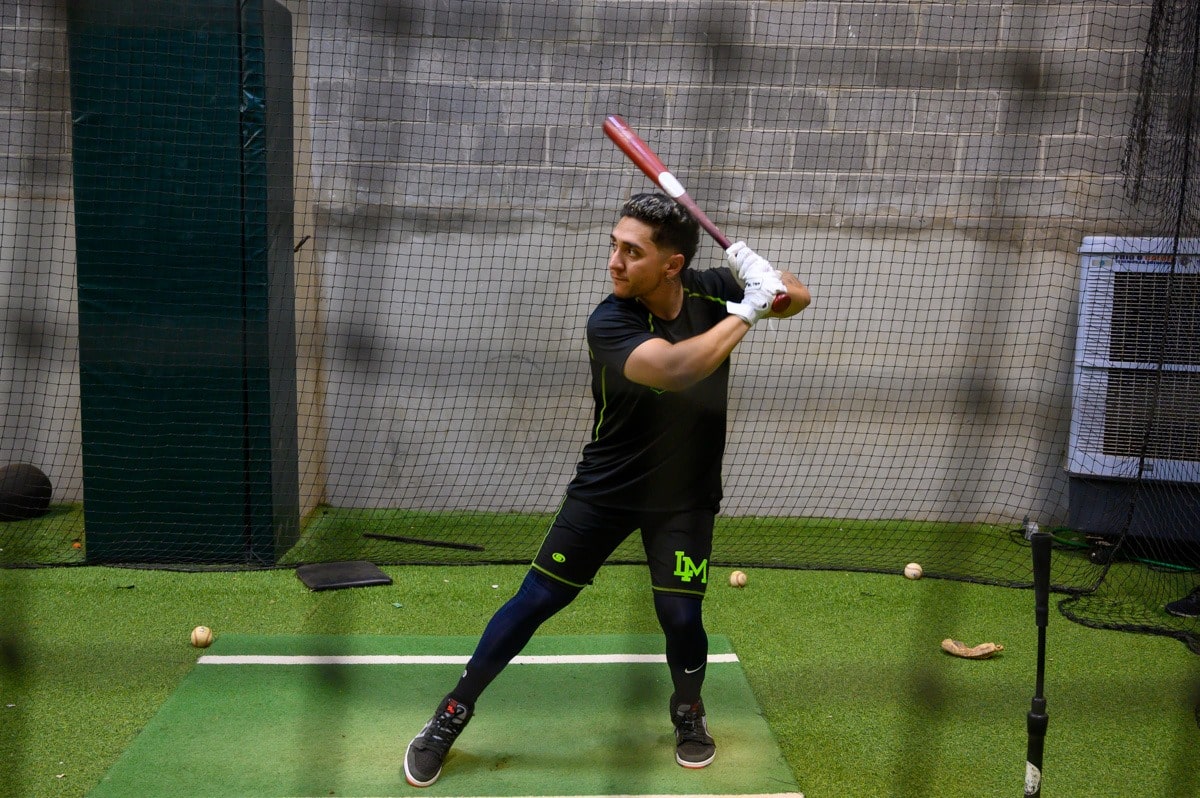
point(674, 227)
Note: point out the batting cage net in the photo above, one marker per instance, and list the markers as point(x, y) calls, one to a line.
point(303, 281)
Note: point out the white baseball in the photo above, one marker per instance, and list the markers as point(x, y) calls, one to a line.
point(737, 579)
point(913, 570)
point(202, 637)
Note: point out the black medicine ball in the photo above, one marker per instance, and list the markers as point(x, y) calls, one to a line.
point(24, 492)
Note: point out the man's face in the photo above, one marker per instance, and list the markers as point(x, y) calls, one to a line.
point(635, 263)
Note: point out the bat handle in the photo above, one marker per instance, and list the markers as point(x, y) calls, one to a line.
point(1041, 543)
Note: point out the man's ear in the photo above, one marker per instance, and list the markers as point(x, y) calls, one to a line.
point(675, 264)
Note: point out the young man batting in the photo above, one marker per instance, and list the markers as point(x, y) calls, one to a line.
point(660, 347)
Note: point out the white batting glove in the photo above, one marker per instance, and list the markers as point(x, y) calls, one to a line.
point(746, 264)
point(755, 304)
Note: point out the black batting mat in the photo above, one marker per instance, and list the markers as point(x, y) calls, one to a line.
point(337, 575)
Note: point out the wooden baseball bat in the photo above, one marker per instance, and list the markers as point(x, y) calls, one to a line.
point(652, 166)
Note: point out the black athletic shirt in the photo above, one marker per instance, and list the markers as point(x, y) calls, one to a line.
point(655, 450)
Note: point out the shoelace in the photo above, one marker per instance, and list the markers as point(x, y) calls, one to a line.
point(690, 725)
point(443, 730)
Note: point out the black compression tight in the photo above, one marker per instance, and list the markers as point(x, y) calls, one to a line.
point(537, 600)
point(687, 643)
point(540, 597)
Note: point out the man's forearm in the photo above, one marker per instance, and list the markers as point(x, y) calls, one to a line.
point(674, 367)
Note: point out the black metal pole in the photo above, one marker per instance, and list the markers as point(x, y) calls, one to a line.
point(1037, 719)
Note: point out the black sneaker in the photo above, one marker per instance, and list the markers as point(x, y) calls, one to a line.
point(693, 747)
point(425, 754)
point(1186, 607)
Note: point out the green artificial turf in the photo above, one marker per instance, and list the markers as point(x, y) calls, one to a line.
point(329, 728)
point(846, 668)
point(981, 552)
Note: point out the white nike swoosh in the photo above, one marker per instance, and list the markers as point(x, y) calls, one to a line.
point(693, 670)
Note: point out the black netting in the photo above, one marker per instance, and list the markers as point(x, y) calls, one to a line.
point(308, 281)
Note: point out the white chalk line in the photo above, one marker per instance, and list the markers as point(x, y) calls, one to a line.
point(438, 659)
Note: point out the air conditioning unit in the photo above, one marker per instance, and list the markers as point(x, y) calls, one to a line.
point(1136, 393)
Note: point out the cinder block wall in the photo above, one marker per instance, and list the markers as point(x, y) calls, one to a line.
point(39, 363)
point(921, 165)
point(918, 139)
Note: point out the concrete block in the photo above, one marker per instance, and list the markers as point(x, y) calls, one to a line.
point(467, 19)
point(789, 198)
point(1001, 154)
point(946, 111)
point(1107, 114)
point(381, 100)
point(752, 149)
point(510, 145)
point(425, 143)
point(548, 21)
point(33, 48)
point(615, 20)
point(33, 14)
point(1092, 71)
point(1098, 155)
point(390, 20)
point(960, 25)
point(590, 63)
point(1049, 27)
point(821, 67)
point(12, 91)
point(832, 151)
point(43, 134)
point(714, 22)
point(495, 60)
point(796, 23)
point(1040, 114)
point(872, 110)
point(920, 69)
point(707, 106)
point(1119, 26)
point(339, 57)
point(370, 140)
point(789, 109)
point(47, 90)
point(31, 174)
point(543, 103)
point(914, 153)
point(671, 64)
point(877, 25)
point(462, 103)
point(568, 146)
point(328, 99)
point(1008, 70)
point(752, 65)
point(893, 201)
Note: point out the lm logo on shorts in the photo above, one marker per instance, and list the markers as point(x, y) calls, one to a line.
point(685, 569)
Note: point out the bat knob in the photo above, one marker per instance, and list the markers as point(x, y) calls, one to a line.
point(781, 303)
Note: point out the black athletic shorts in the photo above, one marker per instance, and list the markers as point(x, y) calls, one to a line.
point(677, 545)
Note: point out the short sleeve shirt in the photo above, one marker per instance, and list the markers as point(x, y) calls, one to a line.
point(655, 450)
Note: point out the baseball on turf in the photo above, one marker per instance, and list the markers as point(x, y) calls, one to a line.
point(737, 579)
point(202, 637)
point(913, 570)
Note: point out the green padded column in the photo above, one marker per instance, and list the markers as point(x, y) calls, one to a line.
point(186, 321)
